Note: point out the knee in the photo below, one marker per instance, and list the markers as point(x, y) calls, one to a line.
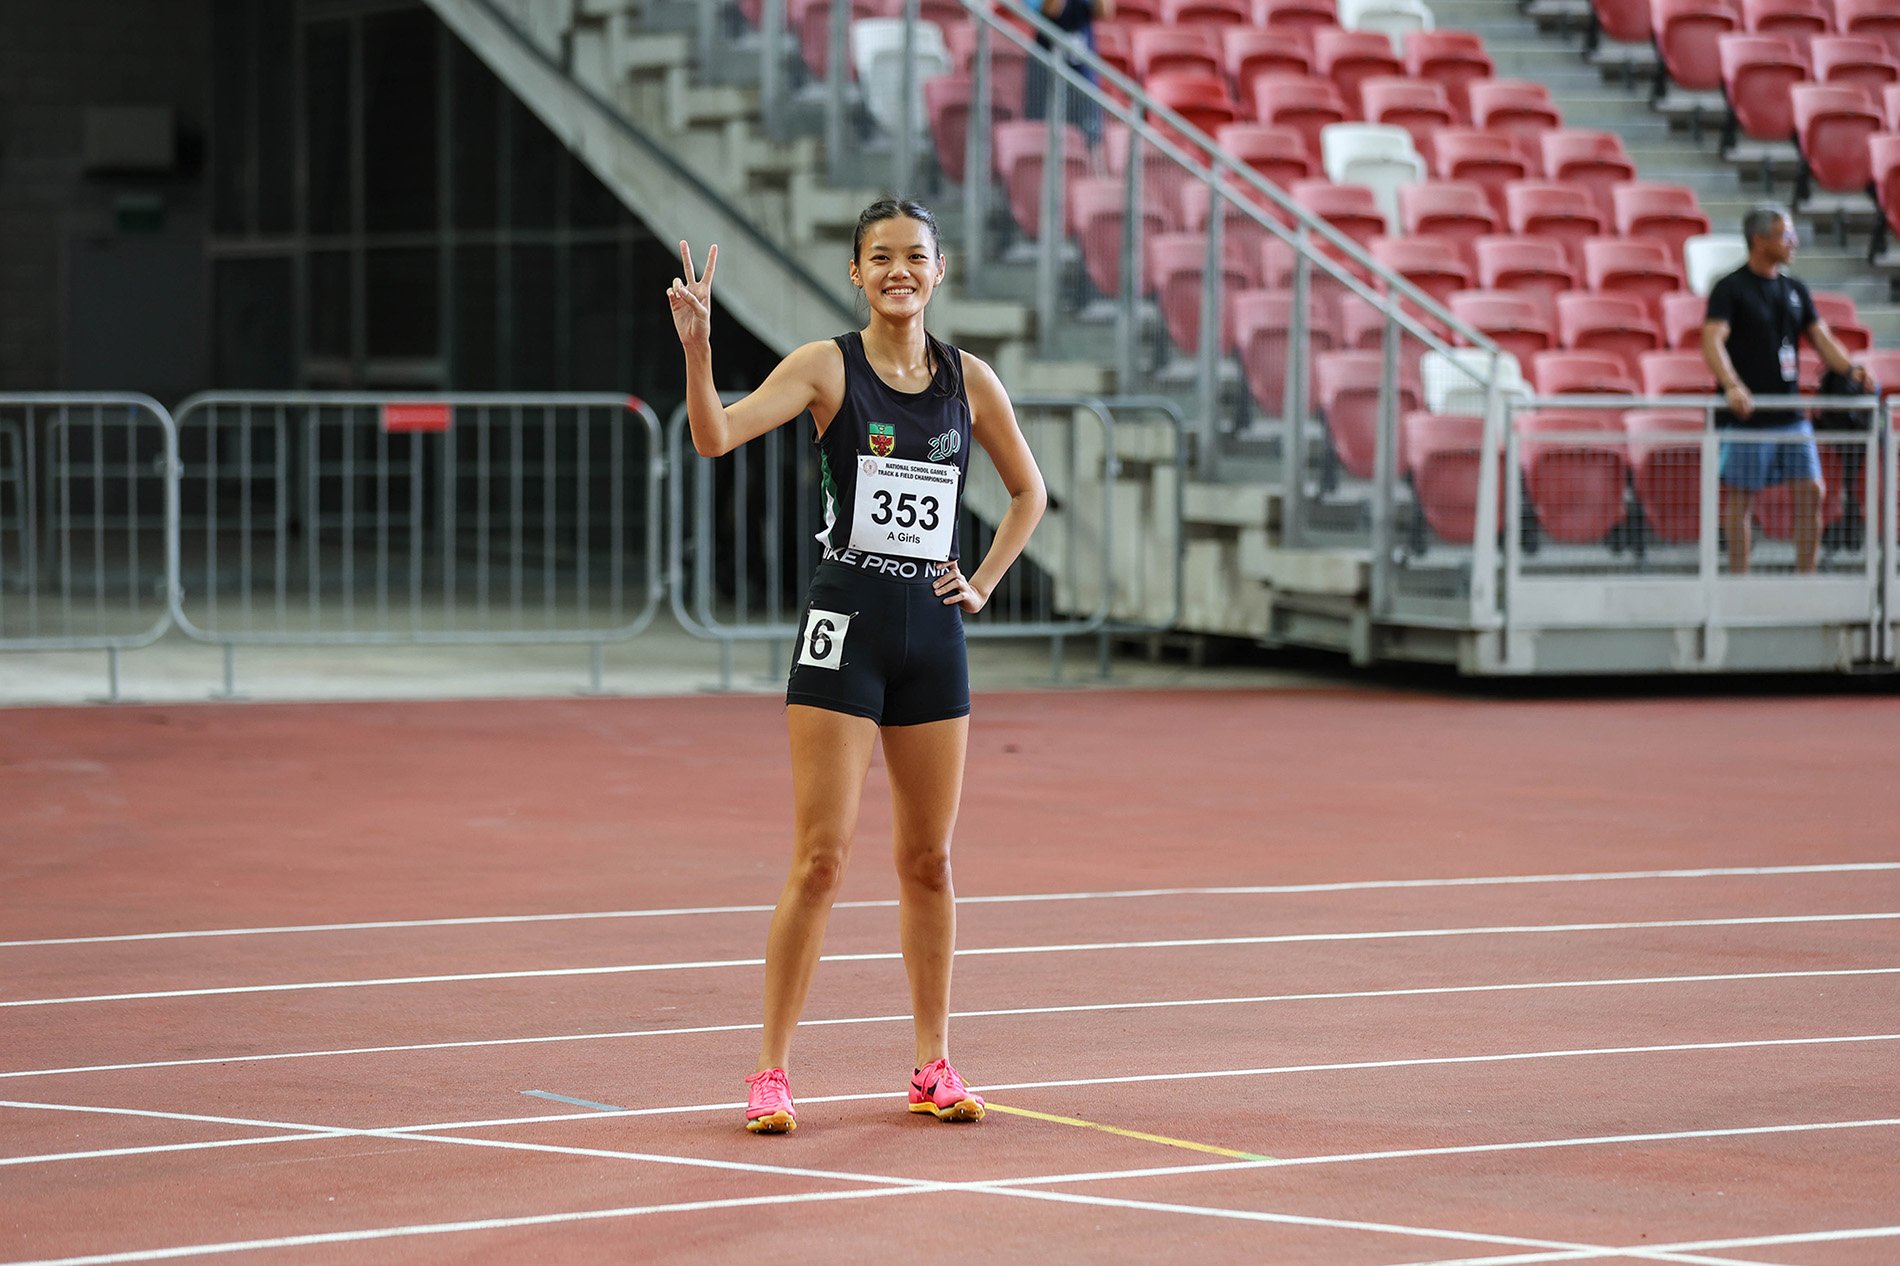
point(927, 868)
point(819, 867)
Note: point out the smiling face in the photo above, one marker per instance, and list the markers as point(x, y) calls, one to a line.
point(898, 266)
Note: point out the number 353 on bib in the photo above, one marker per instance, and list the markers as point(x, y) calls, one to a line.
point(904, 508)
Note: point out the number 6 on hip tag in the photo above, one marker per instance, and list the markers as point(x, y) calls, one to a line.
point(823, 645)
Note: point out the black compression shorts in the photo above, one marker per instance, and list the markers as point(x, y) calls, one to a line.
point(880, 647)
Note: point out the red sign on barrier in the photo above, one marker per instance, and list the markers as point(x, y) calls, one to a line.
point(411, 416)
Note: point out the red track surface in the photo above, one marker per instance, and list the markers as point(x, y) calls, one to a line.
point(1501, 1115)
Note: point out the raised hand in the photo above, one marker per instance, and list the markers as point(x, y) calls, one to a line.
point(691, 299)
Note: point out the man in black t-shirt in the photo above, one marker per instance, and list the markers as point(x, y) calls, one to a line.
point(1751, 339)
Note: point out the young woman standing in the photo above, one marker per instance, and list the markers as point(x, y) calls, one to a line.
point(880, 656)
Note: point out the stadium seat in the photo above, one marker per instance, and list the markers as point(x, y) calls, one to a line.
point(1670, 214)
point(1686, 34)
point(947, 109)
point(1362, 324)
point(1709, 257)
point(877, 56)
point(1432, 264)
point(1017, 149)
point(1574, 484)
point(1346, 387)
point(1008, 69)
point(1513, 105)
point(1454, 380)
point(1533, 266)
point(1883, 162)
point(1278, 153)
point(1394, 19)
point(1200, 97)
point(1874, 19)
point(1352, 209)
point(1673, 373)
point(1633, 266)
point(1260, 324)
point(1798, 20)
point(1303, 103)
point(1454, 210)
point(1757, 72)
point(1843, 319)
point(1247, 51)
point(1114, 44)
point(1535, 208)
point(1626, 21)
point(1137, 11)
point(1207, 12)
point(1616, 323)
point(1304, 16)
point(1484, 158)
point(1563, 373)
point(1683, 315)
point(1832, 126)
point(1773, 507)
point(1374, 155)
point(1350, 57)
point(1854, 61)
point(1890, 97)
point(1419, 106)
point(1596, 160)
point(1665, 449)
point(1242, 234)
point(812, 22)
point(1513, 321)
point(1156, 49)
point(1885, 367)
point(1442, 454)
point(1176, 268)
point(1096, 211)
point(1451, 59)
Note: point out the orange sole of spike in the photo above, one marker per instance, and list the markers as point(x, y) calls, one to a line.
point(964, 1110)
point(777, 1123)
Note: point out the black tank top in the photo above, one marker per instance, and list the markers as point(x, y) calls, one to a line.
point(891, 468)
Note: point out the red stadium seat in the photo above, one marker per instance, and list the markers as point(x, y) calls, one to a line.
point(1247, 51)
point(1512, 321)
point(1683, 316)
point(1304, 104)
point(1798, 20)
point(1773, 507)
point(1616, 323)
point(1883, 162)
point(1017, 148)
point(1177, 267)
point(1885, 367)
point(1303, 16)
point(1451, 59)
point(1243, 236)
point(1854, 61)
point(1890, 95)
point(1114, 44)
point(1346, 387)
point(1593, 159)
point(812, 20)
point(1260, 324)
point(1535, 208)
point(1418, 106)
point(1348, 58)
point(1833, 126)
point(1535, 266)
point(1442, 453)
point(1483, 158)
point(1686, 35)
point(1200, 97)
point(1626, 21)
point(1207, 12)
point(1431, 264)
point(947, 107)
point(1513, 105)
point(1008, 67)
point(1875, 19)
point(1361, 324)
point(1352, 209)
point(1666, 470)
point(1563, 373)
point(1668, 373)
point(1096, 212)
point(1670, 214)
point(1155, 49)
point(1757, 72)
point(1454, 210)
point(1575, 485)
point(1632, 266)
point(1843, 319)
point(1278, 153)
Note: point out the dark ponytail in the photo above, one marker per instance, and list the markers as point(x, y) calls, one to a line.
point(948, 380)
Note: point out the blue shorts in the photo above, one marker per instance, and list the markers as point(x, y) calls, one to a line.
point(1752, 465)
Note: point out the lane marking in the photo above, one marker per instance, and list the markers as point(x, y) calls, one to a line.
point(1364, 885)
point(583, 1103)
point(1418, 992)
point(981, 952)
point(151, 1149)
point(1129, 1134)
point(1752, 1241)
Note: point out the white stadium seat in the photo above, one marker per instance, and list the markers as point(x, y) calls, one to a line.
point(1376, 155)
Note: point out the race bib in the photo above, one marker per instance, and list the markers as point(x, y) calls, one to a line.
point(824, 639)
point(1790, 365)
point(904, 508)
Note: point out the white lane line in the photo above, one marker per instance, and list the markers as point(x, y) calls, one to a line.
point(990, 1013)
point(1362, 885)
point(1686, 1246)
point(105, 1153)
point(1294, 938)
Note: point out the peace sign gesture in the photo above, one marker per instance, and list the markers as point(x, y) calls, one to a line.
point(691, 300)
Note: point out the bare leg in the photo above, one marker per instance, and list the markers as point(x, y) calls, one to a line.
point(1807, 523)
point(926, 769)
point(830, 753)
point(1735, 507)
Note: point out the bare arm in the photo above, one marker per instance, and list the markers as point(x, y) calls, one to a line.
point(1715, 353)
point(993, 425)
point(1835, 357)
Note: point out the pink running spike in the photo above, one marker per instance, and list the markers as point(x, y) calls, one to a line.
point(937, 1089)
point(769, 1106)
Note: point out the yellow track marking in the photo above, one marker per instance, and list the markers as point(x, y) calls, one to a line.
point(1129, 1134)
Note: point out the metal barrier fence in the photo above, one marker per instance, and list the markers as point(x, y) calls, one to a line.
point(88, 523)
point(317, 518)
point(743, 541)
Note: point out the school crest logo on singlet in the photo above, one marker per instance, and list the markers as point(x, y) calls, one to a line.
point(883, 438)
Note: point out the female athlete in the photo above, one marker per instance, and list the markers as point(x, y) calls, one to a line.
point(880, 655)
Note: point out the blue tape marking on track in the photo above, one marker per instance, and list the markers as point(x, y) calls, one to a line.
point(579, 1103)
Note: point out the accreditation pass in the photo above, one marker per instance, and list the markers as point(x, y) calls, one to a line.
point(904, 508)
